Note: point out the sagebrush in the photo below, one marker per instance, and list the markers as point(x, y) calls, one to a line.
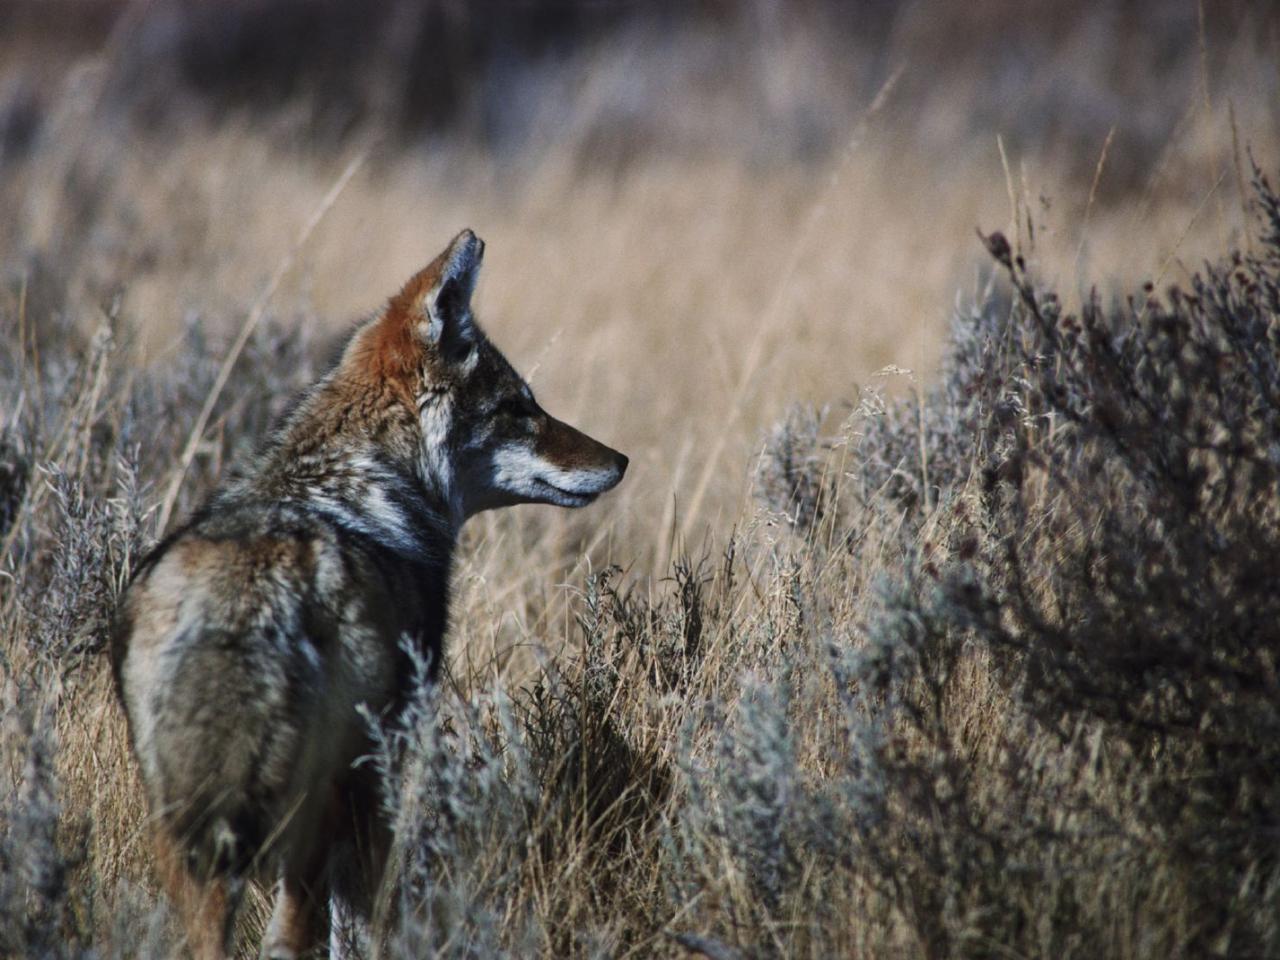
point(989, 669)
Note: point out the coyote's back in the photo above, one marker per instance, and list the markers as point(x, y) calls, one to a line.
point(255, 640)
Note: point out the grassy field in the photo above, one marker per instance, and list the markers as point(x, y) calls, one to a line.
point(926, 622)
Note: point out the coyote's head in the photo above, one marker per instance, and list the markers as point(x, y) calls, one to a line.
point(483, 441)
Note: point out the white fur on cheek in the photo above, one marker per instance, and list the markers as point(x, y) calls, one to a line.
point(579, 481)
point(436, 418)
point(515, 469)
point(518, 470)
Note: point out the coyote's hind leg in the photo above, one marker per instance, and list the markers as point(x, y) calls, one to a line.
point(206, 907)
point(300, 919)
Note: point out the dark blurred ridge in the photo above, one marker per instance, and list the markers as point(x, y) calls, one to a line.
point(502, 73)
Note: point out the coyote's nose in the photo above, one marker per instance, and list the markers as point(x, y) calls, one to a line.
point(622, 462)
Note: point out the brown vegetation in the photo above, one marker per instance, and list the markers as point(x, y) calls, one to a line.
point(977, 663)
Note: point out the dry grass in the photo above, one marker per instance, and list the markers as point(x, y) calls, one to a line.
point(677, 749)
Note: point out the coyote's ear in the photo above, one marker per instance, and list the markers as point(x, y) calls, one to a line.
point(447, 304)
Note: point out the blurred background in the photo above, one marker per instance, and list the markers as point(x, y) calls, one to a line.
point(705, 218)
point(699, 212)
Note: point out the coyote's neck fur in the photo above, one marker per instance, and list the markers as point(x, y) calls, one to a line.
point(353, 451)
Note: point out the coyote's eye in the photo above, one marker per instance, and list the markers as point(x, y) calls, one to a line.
point(518, 407)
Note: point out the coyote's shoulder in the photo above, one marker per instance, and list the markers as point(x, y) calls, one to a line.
point(255, 639)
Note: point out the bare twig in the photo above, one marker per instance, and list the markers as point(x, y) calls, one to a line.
point(1240, 181)
point(1015, 213)
point(706, 946)
point(1208, 109)
point(1093, 192)
point(768, 319)
point(251, 322)
point(1173, 253)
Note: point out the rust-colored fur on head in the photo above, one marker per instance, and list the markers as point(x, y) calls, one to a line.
point(396, 350)
point(390, 355)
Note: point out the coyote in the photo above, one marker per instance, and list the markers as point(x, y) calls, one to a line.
point(254, 641)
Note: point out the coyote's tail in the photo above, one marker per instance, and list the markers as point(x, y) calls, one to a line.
point(222, 847)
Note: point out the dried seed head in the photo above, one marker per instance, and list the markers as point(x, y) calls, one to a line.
point(998, 247)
